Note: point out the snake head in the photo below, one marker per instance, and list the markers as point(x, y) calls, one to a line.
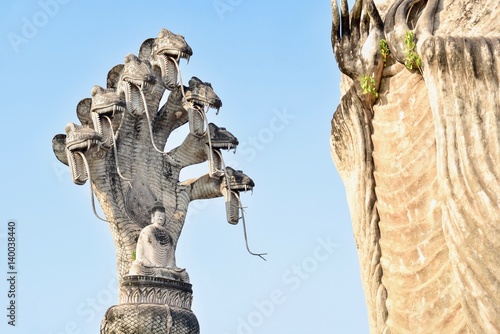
point(137, 72)
point(168, 49)
point(236, 180)
point(233, 182)
point(81, 138)
point(165, 52)
point(201, 94)
point(106, 101)
point(136, 80)
point(356, 41)
point(105, 105)
point(220, 138)
point(168, 44)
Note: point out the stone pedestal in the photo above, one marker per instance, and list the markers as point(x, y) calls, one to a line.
point(151, 305)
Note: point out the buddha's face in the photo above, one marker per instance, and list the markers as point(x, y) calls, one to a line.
point(158, 218)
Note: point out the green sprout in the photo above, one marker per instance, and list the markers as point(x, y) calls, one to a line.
point(133, 256)
point(412, 58)
point(384, 49)
point(368, 85)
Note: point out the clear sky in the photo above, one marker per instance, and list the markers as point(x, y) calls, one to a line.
point(272, 65)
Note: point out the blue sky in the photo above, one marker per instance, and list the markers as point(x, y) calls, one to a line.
point(273, 67)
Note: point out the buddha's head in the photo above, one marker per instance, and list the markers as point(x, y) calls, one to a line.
point(158, 214)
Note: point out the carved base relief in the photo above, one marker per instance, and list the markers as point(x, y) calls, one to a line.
point(155, 290)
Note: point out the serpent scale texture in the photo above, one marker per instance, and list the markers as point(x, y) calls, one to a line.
point(149, 319)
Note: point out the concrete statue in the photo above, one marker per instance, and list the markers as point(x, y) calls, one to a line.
point(119, 150)
point(155, 254)
point(415, 139)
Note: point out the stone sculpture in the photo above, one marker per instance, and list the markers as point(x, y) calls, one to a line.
point(155, 250)
point(415, 139)
point(119, 150)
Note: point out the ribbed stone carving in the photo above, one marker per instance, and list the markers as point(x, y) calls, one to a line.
point(419, 155)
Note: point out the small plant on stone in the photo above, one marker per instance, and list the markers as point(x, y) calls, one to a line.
point(384, 49)
point(368, 85)
point(134, 256)
point(412, 58)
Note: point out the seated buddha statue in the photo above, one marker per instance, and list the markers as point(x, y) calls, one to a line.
point(155, 253)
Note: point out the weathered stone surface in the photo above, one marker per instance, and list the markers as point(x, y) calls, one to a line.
point(421, 167)
point(149, 319)
point(119, 147)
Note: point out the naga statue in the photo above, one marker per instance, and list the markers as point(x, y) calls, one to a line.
point(416, 141)
point(119, 150)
